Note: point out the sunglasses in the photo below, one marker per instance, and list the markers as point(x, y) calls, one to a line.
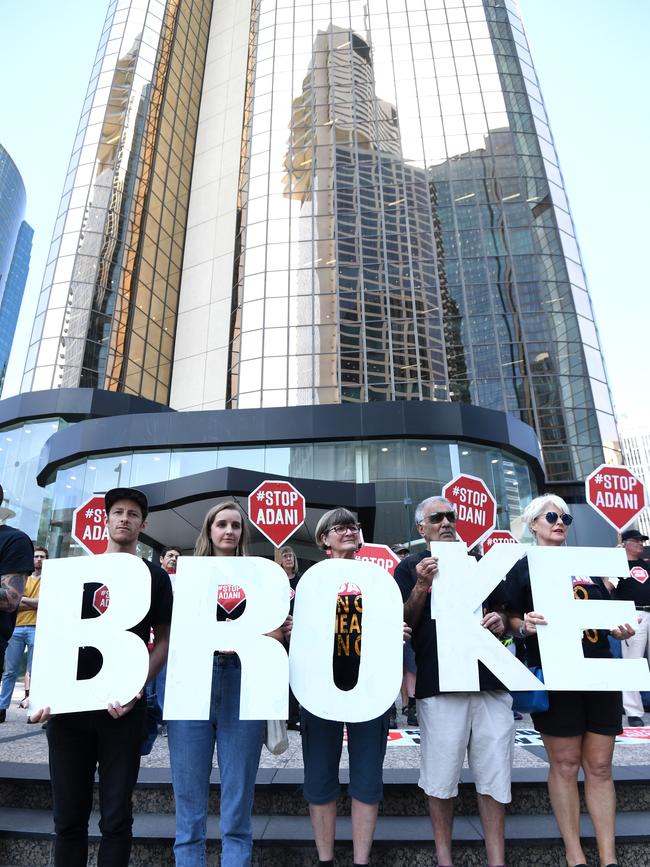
point(342, 529)
point(552, 517)
point(438, 517)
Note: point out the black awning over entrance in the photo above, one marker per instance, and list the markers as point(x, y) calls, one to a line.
point(177, 507)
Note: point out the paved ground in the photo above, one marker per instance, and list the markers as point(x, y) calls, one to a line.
point(20, 742)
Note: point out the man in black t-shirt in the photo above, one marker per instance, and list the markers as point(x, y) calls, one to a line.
point(480, 723)
point(635, 587)
point(16, 564)
point(106, 741)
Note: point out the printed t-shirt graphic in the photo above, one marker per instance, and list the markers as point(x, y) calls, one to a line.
point(635, 587)
point(231, 602)
point(595, 642)
point(347, 636)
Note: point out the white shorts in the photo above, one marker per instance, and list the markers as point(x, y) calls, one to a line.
point(480, 723)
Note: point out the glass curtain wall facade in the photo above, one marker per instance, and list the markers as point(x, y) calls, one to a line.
point(13, 295)
point(404, 473)
point(375, 211)
point(107, 310)
point(13, 199)
point(404, 232)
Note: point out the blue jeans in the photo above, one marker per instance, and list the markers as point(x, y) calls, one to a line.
point(191, 747)
point(22, 638)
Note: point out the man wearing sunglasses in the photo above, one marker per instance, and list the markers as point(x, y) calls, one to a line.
point(480, 723)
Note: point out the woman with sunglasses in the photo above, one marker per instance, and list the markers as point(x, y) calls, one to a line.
point(579, 728)
point(239, 742)
point(337, 533)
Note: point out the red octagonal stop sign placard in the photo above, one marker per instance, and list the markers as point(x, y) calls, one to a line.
point(379, 554)
point(476, 508)
point(277, 509)
point(88, 527)
point(498, 537)
point(616, 494)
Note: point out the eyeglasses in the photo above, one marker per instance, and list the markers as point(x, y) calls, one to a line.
point(552, 517)
point(342, 529)
point(438, 517)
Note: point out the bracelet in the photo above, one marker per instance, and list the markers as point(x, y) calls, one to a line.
point(522, 630)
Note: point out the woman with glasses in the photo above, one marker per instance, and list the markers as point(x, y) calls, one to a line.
point(579, 728)
point(239, 742)
point(337, 533)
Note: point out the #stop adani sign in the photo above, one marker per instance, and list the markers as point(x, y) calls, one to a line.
point(498, 537)
point(616, 494)
point(277, 509)
point(88, 527)
point(379, 554)
point(476, 508)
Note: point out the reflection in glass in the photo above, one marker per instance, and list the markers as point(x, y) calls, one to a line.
point(400, 189)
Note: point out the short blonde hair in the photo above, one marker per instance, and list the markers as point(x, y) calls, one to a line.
point(331, 519)
point(537, 507)
point(204, 546)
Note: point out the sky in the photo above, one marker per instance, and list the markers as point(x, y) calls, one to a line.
point(592, 62)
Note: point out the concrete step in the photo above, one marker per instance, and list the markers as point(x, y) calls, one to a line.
point(278, 791)
point(287, 841)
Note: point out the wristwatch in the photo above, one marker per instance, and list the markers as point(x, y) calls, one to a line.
point(522, 630)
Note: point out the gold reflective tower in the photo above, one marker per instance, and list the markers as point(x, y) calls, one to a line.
point(274, 203)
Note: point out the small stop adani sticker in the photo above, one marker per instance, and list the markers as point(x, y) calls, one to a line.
point(639, 574)
point(101, 599)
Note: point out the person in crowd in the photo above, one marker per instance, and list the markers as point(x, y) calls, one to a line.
point(169, 559)
point(579, 728)
point(155, 689)
point(107, 742)
point(289, 563)
point(239, 742)
point(407, 689)
point(480, 723)
point(635, 587)
point(409, 674)
point(23, 636)
point(338, 534)
point(16, 564)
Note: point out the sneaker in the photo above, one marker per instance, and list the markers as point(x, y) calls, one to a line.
point(632, 721)
point(392, 717)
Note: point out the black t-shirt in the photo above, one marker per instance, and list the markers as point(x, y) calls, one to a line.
point(635, 586)
point(95, 602)
point(16, 558)
point(427, 682)
point(293, 583)
point(595, 642)
point(347, 636)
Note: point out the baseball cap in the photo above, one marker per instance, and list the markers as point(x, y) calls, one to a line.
point(111, 497)
point(633, 534)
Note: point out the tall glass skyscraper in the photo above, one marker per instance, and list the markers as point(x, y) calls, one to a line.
point(276, 203)
point(13, 199)
point(13, 295)
point(15, 251)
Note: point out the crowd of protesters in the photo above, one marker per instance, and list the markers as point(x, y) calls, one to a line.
point(578, 729)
